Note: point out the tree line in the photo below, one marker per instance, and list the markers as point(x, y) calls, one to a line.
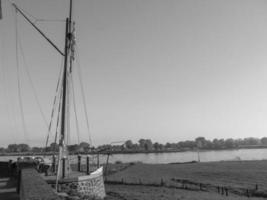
point(198, 143)
point(145, 145)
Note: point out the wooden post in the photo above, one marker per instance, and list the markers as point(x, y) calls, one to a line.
point(79, 163)
point(19, 180)
point(226, 191)
point(87, 166)
point(54, 163)
point(106, 168)
point(98, 161)
point(63, 167)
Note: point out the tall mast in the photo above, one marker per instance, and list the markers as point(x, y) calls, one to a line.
point(63, 165)
point(68, 58)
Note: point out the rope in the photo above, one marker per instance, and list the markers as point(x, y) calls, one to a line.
point(18, 82)
point(83, 96)
point(31, 83)
point(35, 18)
point(58, 116)
point(54, 104)
point(75, 112)
point(5, 91)
point(49, 20)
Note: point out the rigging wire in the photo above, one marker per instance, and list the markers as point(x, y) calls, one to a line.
point(58, 117)
point(75, 111)
point(31, 83)
point(35, 19)
point(49, 20)
point(5, 91)
point(12, 3)
point(18, 79)
point(83, 95)
point(58, 94)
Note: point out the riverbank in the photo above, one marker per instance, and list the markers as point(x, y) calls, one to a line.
point(141, 151)
point(214, 180)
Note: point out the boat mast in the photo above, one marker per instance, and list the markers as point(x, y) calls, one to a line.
point(68, 58)
point(65, 96)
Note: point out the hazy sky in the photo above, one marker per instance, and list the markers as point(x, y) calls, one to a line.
point(167, 70)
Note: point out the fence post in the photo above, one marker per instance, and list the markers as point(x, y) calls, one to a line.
point(19, 180)
point(63, 167)
point(79, 163)
point(98, 164)
point(87, 166)
point(53, 163)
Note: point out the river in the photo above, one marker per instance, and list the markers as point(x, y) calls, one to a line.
point(157, 158)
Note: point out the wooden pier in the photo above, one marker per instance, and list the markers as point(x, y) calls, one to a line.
point(8, 184)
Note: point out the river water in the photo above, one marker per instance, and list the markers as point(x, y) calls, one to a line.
point(157, 158)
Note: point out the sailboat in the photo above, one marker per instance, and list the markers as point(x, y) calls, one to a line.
point(64, 179)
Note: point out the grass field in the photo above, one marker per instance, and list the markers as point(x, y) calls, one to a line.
point(127, 192)
point(199, 180)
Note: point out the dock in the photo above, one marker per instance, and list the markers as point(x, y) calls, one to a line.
point(8, 184)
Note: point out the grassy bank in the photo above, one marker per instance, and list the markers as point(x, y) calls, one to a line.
point(238, 179)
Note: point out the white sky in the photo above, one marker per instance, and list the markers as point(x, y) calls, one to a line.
point(167, 70)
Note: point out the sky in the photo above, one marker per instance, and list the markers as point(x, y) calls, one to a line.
point(167, 70)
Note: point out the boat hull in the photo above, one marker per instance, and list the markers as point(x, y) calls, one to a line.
point(84, 186)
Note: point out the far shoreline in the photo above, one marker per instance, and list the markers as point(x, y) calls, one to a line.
point(130, 151)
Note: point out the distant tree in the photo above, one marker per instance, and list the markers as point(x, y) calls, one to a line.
point(238, 142)
point(2, 150)
point(129, 144)
point(216, 144)
point(148, 145)
point(161, 147)
point(201, 142)
point(187, 144)
point(23, 148)
point(156, 146)
point(168, 145)
point(251, 141)
point(221, 143)
point(74, 148)
point(209, 144)
point(54, 147)
point(135, 146)
point(142, 143)
point(264, 141)
point(37, 149)
point(12, 148)
point(229, 143)
point(84, 146)
point(171, 146)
